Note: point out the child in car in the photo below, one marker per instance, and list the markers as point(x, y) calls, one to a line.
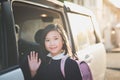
point(55, 43)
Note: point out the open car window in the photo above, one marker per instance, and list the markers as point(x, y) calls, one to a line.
point(30, 18)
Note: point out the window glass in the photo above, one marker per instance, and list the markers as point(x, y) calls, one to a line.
point(83, 32)
point(32, 18)
point(29, 19)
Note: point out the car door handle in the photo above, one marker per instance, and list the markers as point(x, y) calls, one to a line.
point(88, 58)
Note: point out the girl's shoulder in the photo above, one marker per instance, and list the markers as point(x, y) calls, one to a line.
point(70, 61)
point(72, 69)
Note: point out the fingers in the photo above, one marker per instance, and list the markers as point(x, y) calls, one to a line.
point(39, 61)
point(36, 56)
point(33, 56)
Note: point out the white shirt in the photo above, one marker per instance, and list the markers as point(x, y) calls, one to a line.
point(57, 57)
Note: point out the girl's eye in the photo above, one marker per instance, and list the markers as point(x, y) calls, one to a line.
point(56, 38)
point(47, 40)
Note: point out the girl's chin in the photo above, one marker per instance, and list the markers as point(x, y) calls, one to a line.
point(54, 54)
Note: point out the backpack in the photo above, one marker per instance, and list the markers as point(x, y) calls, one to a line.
point(83, 67)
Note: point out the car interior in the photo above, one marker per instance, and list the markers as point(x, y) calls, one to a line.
point(31, 20)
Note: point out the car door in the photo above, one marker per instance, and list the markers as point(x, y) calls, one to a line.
point(87, 39)
point(32, 16)
point(12, 73)
point(9, 69)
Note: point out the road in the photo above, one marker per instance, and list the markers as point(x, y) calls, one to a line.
point(113, 66)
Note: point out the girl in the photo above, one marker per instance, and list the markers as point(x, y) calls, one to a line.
point(55, 44)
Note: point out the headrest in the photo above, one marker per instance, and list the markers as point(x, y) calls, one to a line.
point(38, 36)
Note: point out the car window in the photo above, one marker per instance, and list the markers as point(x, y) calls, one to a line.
point(29, 19)
point(83, 32)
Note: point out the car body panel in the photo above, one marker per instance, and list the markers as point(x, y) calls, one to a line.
point(12, 74)
point(95, 56)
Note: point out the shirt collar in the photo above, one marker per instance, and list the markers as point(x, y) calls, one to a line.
point(57, 57)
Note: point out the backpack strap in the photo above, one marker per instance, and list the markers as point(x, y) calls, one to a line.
point(62, 65)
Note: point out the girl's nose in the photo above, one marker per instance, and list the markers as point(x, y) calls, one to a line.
point(52, 42)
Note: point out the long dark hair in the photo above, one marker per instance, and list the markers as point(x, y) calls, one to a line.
point(60, 30)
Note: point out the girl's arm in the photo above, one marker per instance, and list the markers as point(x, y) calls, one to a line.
point(33, 62)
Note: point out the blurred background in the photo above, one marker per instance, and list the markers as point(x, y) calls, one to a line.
point(107, 13)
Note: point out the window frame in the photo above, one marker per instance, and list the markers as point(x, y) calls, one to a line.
point(9, 50)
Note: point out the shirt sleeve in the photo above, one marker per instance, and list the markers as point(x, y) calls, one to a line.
point(72, 71)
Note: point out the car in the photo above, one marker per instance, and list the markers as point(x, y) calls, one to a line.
point(21, 19)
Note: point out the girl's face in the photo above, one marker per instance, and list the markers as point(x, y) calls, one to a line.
point(53, 43)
